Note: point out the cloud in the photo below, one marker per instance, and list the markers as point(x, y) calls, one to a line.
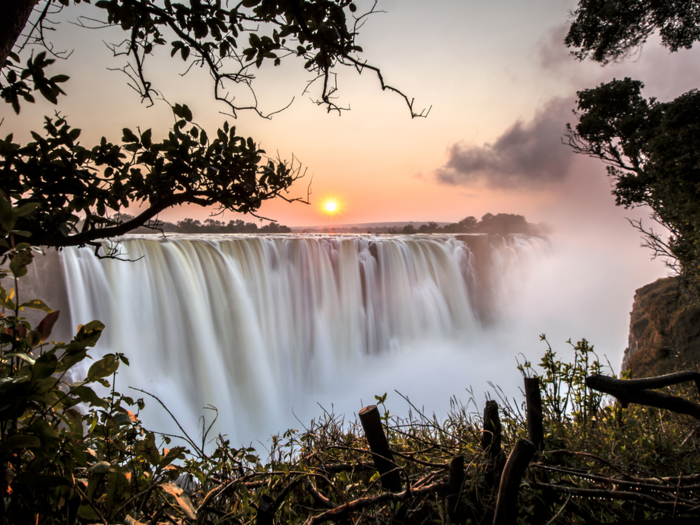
point(553, 55)
point(528, 155)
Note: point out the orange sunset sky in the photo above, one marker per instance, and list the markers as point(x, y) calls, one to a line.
point(498, 80)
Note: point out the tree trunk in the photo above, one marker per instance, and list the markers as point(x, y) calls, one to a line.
point(13, 17)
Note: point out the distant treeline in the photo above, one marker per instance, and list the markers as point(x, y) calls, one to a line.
point(503, 223)
point(210, 226)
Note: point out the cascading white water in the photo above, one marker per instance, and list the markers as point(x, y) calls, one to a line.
point(256, 325)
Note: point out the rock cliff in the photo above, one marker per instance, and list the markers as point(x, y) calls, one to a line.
point(664, 330)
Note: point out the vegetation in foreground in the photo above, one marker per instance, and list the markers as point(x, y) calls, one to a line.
point(69, 456)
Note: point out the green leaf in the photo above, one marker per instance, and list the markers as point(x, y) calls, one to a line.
point(171, 456)
point(104, 367)
point(5, 301)
point(7, 216)
point(147, 449)
point(19, 355)
point(88, 513)
point(146, 138)
point(101, 467)
point(44, 366)
point(26, 209)
point(73, 419)
point(19, 441)
point(37, 304)
point(186, 113)
point(128, 136)
point(70, 359)
point(59, 78)
point(88, 395)
point(90, 333)
point(43, 481)
point(19, 262)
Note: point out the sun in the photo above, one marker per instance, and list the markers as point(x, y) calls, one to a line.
point(331, 205)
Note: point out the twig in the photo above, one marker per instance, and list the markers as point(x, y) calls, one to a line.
point(556, 516)
point(362, 503)
point(610, 494)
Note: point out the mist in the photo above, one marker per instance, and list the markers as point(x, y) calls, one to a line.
point(581, 288)
point(579, 283)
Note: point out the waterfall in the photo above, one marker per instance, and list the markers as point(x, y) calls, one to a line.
point(255, 325)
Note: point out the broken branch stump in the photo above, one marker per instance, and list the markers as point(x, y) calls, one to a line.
point(378, 444)
point(491, 444)
point(506, 504)
point(491, 436)
point(535, 430)
point(455, 508)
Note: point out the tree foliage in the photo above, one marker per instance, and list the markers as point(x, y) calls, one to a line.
point(653, 154)
point(69, 181)
point(501, 224)
point(230, 41)
point(651, 147)
point(609, 30)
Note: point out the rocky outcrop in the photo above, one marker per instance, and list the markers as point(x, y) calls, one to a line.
point(664, 330)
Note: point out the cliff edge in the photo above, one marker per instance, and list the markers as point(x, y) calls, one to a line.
point(664, 330)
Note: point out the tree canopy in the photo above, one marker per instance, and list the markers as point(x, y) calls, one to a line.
point(653, 154)
point(652, 148)
point(68, 181)
point(605, 30)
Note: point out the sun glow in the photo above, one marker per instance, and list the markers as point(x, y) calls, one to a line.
point(332, 206)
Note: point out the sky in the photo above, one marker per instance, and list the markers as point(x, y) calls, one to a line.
point(496, 77)
point(501, 88)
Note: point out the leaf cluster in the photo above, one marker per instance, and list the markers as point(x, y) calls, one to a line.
point(211, 33)
point(605, 31)
point(652, 150)
point(64, 182)
point(19, 82)
point(72, 450)
point(229, 41)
